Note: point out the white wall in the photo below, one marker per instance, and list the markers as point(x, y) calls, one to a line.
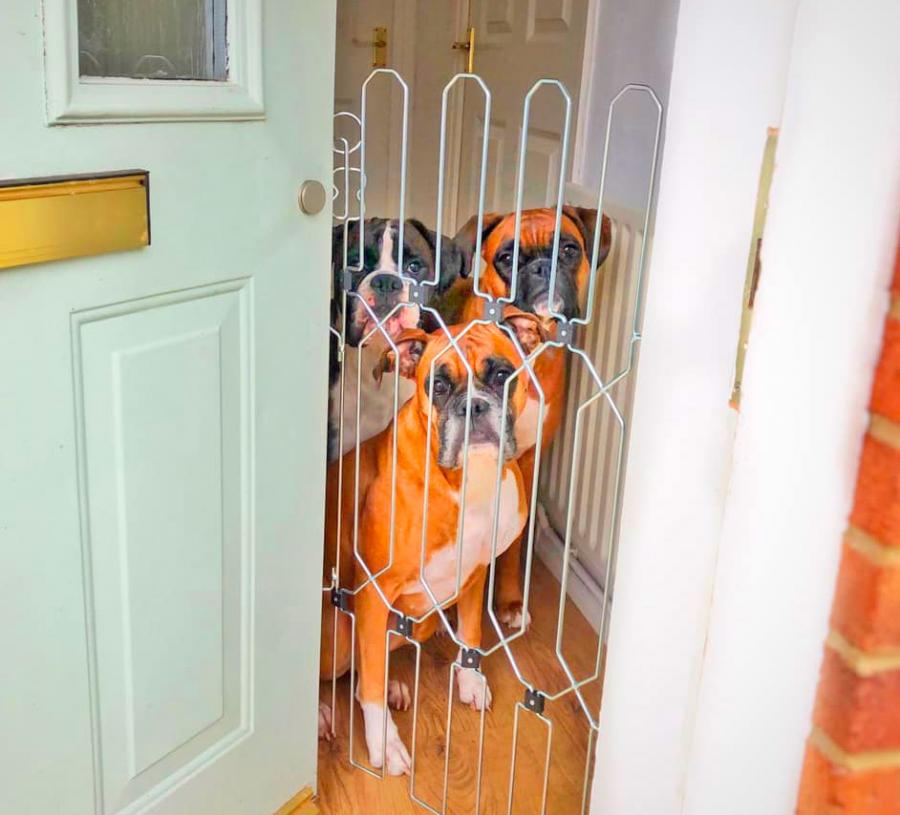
point(728, 77)
point(627, 41)
point(827, 254)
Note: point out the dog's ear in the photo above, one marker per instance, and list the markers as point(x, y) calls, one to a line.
point(452, 259)
point(465, 239)
point(586, 221)
point(530, 329)
point(410, 346)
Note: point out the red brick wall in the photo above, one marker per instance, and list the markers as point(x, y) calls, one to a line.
point(852, 764)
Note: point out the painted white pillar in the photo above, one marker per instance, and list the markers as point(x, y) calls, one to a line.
point(827, 255)
point(727, 86)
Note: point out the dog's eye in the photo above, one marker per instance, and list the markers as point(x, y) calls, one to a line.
point(441, 387)
point(504, 258)
point(414, 267)
point(570, 251)
point(501, 376)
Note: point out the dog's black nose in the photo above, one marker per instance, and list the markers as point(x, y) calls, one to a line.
point(479, 407)
point(386, 284)
point(541, 268)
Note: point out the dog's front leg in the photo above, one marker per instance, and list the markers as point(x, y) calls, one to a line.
point(508, 597)
point(473, 686)
point(385, 746)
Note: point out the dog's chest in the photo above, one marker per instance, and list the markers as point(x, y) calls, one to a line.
point(527, 425)
point(374, 400)
point(440, 567)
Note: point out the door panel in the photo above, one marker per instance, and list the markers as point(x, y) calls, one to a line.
point(356, 21)
point(517, 44)
point(165, 386)
point(162, 475)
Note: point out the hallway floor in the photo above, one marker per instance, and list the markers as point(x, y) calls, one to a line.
point(345, 790)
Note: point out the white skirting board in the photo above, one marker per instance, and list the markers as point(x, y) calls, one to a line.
point(583, 590)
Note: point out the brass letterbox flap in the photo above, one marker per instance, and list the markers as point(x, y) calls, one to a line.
point(43, 219)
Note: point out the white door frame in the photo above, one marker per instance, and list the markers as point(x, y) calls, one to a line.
point(732, 522)
point(679, 459)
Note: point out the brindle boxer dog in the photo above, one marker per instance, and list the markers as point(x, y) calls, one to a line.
point(533, 295)
point(492, 357)
point(379, 283)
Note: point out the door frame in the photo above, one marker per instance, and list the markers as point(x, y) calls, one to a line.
point(721, 608)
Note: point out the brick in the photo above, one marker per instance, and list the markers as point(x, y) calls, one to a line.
point(867, 602)
point(860, 714)
point(826, 789)
point(876, 508)
point(886, 390)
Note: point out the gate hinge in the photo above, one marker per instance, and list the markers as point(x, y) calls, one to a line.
point(417, 293)
point(565, 333)
point(340, 598)
point(405, 626)
point(346, 280)
point(493, 311)
point(534, 701)
point(470, 658)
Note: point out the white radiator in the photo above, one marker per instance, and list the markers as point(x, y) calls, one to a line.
point(606, 341)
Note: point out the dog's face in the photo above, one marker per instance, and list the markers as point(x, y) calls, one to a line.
point(442, 383)
point(378, 281)
point(576, 242)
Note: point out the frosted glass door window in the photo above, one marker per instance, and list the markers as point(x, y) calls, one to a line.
point(152, 39)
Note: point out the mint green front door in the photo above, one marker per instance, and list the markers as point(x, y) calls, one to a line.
point(163, 412)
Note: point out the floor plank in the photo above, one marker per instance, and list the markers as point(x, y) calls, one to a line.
point(345, 790)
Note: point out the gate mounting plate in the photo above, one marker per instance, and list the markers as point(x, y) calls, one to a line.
point(534, 701)
point(493, 311)
point(565, 333)
point(340, 598)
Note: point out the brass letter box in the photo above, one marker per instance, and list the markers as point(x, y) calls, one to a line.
point(45, 219)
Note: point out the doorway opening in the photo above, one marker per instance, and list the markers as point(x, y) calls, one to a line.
point(443, 168)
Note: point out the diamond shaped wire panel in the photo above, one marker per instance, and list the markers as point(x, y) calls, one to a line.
point(432, 520)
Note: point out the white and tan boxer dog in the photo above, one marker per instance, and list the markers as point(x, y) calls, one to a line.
point(492, 358)
point(378, 282)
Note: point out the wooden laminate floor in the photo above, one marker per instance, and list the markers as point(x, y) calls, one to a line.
point(345, 790)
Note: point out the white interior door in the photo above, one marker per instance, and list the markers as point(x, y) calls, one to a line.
point(163, 412)
point(356, 24)
point(517, 43)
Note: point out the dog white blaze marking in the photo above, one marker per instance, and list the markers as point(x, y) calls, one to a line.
point(386, 262)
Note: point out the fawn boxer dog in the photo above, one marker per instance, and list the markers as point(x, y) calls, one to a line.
point(533, 295)
point(492, 358)
point(379, 284)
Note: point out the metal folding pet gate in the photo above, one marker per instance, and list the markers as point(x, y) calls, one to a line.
point(563, 484)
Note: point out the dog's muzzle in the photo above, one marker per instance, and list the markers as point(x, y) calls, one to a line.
point(485, 426)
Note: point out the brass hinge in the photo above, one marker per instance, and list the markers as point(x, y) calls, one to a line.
point(467, 45)
point(379, 43)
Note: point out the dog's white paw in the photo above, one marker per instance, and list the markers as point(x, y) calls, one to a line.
point(399, 697)
point(326, 722)
point(515, 616)
point(396, 756)
point(473, 688)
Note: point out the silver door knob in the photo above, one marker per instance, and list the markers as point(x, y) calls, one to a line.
point(311, 197)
